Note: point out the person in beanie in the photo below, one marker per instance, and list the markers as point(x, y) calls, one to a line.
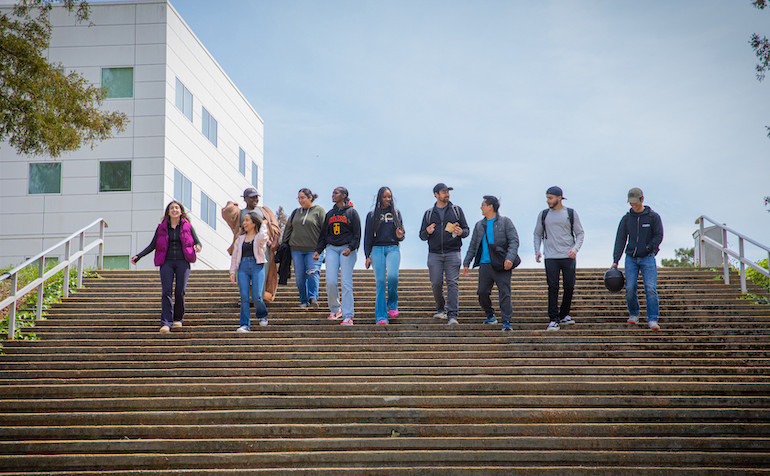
point(639, 234)
point(558, 228)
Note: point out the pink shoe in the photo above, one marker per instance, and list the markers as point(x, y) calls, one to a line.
point(335, 315)
point(382, 322)
point(347, 322)
point(393, 313)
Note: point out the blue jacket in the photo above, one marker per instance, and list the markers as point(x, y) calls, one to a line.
point(639, 234)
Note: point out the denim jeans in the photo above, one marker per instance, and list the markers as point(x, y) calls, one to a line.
point(251, 274)
point(336, 261)
point(552, 268)
point(650, 280)
point(307, 274)
point(440, 265)
point(170, 269)
point(385, 261)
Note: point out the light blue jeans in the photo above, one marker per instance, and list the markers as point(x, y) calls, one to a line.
point(251, 274)
point(650, 281)
point(307, 274)
point(385, 261)
point(336, 261)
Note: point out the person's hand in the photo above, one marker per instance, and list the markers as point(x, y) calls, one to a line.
point(232, 278)
point(538, 256)
point(197, 248)
point(316, 256)
point(572, 254)
point(346, 252)
point(465, 271)
point(457, 231)
point(134, 260)
point(614, 265)
point(368, 263)
point(399, 233)
point(431, 228)
point(508, 264)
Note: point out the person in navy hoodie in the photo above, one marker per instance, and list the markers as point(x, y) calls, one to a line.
point(175, 244)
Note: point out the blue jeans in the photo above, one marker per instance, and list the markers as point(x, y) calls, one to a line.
point(385, 261)
point(650, 280)
point(251, 274)
point(307, 274)
point(336, 261)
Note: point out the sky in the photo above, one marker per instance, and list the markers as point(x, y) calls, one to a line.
point(507, 98)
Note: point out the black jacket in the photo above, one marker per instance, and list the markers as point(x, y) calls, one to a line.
point(283, 258)
point(441, 241)
point(639, 234)
point(341, 227)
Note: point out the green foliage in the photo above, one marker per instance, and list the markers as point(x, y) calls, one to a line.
point(45, 110)
point(756, 277)
point(683, 258)
point(761, 46)
point(53, 291)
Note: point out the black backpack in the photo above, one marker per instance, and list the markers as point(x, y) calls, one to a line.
point(570, 214)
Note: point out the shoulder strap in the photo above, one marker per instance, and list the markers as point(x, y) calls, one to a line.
point(457, 214)
point(571, 215)
point(542, 221)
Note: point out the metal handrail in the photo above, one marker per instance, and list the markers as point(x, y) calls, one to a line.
point(726, 252)
point(44, 276)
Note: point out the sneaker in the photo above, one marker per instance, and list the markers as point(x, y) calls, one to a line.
point(393, 313)
point(348, 321)
point(263, 321)
point(304, 305)
point(335, 315)
point(313, 303)
point(633, 320)
point(653, 325)
point(452, 321)
point(490, 320)
point(553, 326)
point(566, 320)
point(243, 329)
point(382, 321)
point(164, 329)
point(440, 315)
point(177, 324)
point(507, 326)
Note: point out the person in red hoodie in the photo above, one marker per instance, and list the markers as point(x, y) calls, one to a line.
point(176, 245)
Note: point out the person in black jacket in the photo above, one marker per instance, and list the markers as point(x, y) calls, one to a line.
point(444, 227)
point(340, 237)
point(640, 233)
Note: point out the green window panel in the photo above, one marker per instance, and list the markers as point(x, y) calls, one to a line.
point(119, 82)
point(45, 177)
point(115, 176)
point(116, 262)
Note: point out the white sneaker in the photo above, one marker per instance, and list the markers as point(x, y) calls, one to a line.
point(242, 329)
point(566, 320)
point(633, 320)
point(553, 326)
point(440, 315)
point(263, 322)
point(452, 321)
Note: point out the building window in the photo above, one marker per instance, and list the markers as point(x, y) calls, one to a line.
point(209, 126)
point(182, 190)
point(115, 176)
point(208, 211)
point(184, 100)
point(116, 262)
point(255, 175)
point(45, 177)
point(119, 82)
point(241, 161)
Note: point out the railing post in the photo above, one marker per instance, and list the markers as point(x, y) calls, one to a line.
point(40, 273)
point(66, 283)
point(742, 267)
point(725, 257)
point(701, 250)
point(100, 262)
point(768, 268)
point(80, 259)
point(12, 310)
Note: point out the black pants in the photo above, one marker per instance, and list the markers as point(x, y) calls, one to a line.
point(488, 277)
point(552, 269)
point(171, 269)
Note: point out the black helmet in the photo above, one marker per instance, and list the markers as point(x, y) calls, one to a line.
point(614, 280)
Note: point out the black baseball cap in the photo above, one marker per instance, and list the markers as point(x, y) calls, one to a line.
point(441, 186)
point(555, 191)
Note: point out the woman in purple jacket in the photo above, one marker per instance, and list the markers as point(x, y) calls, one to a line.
point(175, 244)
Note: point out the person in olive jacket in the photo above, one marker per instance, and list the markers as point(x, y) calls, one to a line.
point(301, 234)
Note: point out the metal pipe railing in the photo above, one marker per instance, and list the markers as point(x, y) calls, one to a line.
point(727, 252)
point(44, 275)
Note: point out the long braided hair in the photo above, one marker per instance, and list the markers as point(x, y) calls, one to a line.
point(378, 209)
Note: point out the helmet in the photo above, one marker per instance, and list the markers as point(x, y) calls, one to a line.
point(614, 280)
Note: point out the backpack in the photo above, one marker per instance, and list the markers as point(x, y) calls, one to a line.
point(570, 214)
point(429, 211)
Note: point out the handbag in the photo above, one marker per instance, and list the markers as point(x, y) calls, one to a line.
point(497, 257)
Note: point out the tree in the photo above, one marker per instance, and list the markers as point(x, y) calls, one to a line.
point(761, 46)
point(767, 202)
point(683, 258)
point(45, 110)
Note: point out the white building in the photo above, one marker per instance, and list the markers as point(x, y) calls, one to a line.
point(192, 136)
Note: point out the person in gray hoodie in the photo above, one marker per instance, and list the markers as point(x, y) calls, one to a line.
point(561, 233)
point(301, 234)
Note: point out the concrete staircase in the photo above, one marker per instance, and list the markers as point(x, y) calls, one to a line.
point(103, 393)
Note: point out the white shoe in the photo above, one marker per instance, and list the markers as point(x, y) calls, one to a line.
point(633, 320)
point(553, 326)
point(452, 321)
point(440, 315)
point(242, 329)
point(164, 329)
point(263, 322)
point(566, 320)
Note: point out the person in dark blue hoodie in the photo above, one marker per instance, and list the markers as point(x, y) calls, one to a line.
point(340, 237)
point(639, 234)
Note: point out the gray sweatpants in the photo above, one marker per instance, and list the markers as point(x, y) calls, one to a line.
point(440, 266)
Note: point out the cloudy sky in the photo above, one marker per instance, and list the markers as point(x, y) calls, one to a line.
point(507, 98)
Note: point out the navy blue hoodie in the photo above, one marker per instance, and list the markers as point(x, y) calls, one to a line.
point(639, 234)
